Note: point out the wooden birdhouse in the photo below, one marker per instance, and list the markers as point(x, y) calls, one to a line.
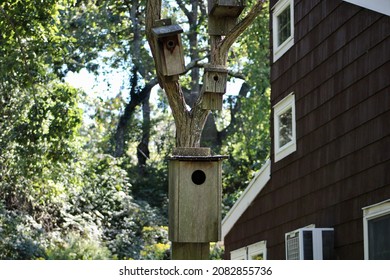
point(195, 192)
point(226, 8)
point(214, 82)
point(170, 49)
point(223, 15)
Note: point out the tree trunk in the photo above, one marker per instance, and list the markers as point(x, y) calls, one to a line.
point(136, 98)
point(143, 147)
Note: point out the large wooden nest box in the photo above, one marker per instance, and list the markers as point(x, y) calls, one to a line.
point(214, 82)
point(223, 15)
point(195, 192)
point(170, 49)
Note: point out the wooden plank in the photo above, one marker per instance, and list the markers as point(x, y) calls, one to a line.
point(204, 215)
point(212, 101)
point(190, 251)
point(195, 207)
point(173, 193)
point(219, 26)
point(173, 56)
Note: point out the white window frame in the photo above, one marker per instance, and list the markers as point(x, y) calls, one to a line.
point(372, 212)
point(286, 104)
point(280, 6)
point(239, 254)
point(246, 253)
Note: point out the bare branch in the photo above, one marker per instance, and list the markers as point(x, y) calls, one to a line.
point(184, 9)
point(230, 38)
point(203, 12)
point(195, 63)
point(132, 8)
point(237, 75)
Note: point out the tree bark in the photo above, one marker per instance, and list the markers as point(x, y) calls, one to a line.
point(136, 98)
point(143, 147)
point(214, 138)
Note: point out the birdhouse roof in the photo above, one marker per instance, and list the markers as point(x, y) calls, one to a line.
point(198, 158)
point(165, 31)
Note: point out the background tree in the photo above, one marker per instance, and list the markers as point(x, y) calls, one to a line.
point(71, 188)
point(61, 195)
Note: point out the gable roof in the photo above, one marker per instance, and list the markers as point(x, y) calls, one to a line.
point(258, 182)
point(380, 6)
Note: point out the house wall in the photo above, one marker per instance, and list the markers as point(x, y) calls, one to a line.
point(339, 70)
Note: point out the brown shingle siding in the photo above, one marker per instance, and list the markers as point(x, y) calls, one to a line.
point(339, 71)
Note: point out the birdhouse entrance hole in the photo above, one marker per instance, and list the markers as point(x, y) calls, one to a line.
point(171, 44)
point(198, 177)
point(216, 78)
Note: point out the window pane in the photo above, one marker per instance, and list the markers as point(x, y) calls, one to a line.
point(284, 26)
point(308, 245)
point(285, 128)
point(379, 238)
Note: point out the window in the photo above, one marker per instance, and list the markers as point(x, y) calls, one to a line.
point(284, 127)
point(256, 251)
point(283, 27)
point(376, 224)
point(310, 243)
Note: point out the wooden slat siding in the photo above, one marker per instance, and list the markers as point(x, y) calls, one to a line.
point(356, 93)
point(342, 160)
point(337, 47)
point(343, 79)
point(344, 123)
point(317, 56)
point(344, 55)
point(303, 43)
point(303, 8)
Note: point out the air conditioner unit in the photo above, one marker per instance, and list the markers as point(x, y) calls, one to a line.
point(310, 244)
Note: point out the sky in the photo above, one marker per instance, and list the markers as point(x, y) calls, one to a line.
point(98, 86)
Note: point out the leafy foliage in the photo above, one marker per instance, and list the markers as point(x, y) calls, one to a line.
point(248, 141)
point(62, 194)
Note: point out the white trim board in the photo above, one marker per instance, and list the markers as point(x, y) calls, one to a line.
point(380, 6)
point(258, 182)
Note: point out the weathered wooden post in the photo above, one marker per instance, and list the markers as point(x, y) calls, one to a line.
point(195, 193)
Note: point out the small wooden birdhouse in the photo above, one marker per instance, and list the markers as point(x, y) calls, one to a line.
point(170, 50)
point(223, 15)
point(214, 82)
point(195, 193)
